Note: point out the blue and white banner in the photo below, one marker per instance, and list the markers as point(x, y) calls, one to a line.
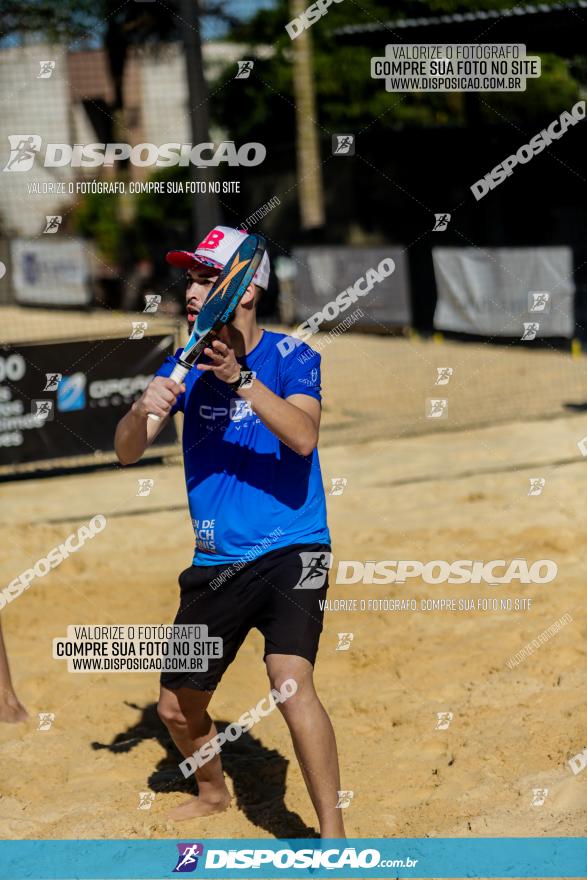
point(307, 858)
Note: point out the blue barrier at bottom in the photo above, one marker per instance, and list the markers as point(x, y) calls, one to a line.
point(361, 858)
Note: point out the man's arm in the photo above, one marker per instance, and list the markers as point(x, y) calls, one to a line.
point(296, 420)
point(135, 431)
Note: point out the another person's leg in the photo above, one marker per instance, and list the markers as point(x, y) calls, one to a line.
point(182, 708)
point(11, 710)
point(313, 738)
point(184, 713)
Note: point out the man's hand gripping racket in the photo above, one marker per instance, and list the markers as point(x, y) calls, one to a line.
point(220, 304)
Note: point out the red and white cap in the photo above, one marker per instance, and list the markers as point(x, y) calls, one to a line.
point(216, 250)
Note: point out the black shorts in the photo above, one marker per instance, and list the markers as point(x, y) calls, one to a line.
point(279, 593)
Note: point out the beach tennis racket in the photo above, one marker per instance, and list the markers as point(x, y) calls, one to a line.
point(219, 306)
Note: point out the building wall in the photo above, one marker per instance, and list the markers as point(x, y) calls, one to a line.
point(72, 106)
point(32, 106)
point(164, 96)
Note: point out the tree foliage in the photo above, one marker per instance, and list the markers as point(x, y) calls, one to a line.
point(347, 97)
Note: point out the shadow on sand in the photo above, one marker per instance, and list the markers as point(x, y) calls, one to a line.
point(258, 774)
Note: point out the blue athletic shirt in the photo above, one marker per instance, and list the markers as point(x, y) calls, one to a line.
point(248, 492)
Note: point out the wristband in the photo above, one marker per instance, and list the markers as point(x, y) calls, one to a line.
point(245, 380)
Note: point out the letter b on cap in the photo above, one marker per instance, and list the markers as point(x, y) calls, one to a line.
point(212, 241)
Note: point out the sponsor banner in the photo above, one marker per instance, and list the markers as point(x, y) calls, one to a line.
point(513, 292)
point(304, 858)
point(52, 273)
point(64, 399)
point(325, 272)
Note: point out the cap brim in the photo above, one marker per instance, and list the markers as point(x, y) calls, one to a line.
point(187, 260)
point(183, 259)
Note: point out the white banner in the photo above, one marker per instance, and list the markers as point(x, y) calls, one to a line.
point(323, 272)
point(50, 272)
point(515, 292)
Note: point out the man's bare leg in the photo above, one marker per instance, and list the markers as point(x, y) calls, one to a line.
point(313, 739)
point(183, 712)
point(11, 709)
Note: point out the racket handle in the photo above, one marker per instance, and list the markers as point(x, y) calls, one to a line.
point(178, 375)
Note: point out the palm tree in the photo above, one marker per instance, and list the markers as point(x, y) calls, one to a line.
point(311, 192)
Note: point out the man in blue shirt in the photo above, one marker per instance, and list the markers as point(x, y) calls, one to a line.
point(262, 546)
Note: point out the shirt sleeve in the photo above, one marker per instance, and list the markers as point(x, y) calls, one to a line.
point(301, 373)
point(166, 370)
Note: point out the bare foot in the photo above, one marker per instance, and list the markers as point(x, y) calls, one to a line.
point(11, 710)
point(197, 807)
